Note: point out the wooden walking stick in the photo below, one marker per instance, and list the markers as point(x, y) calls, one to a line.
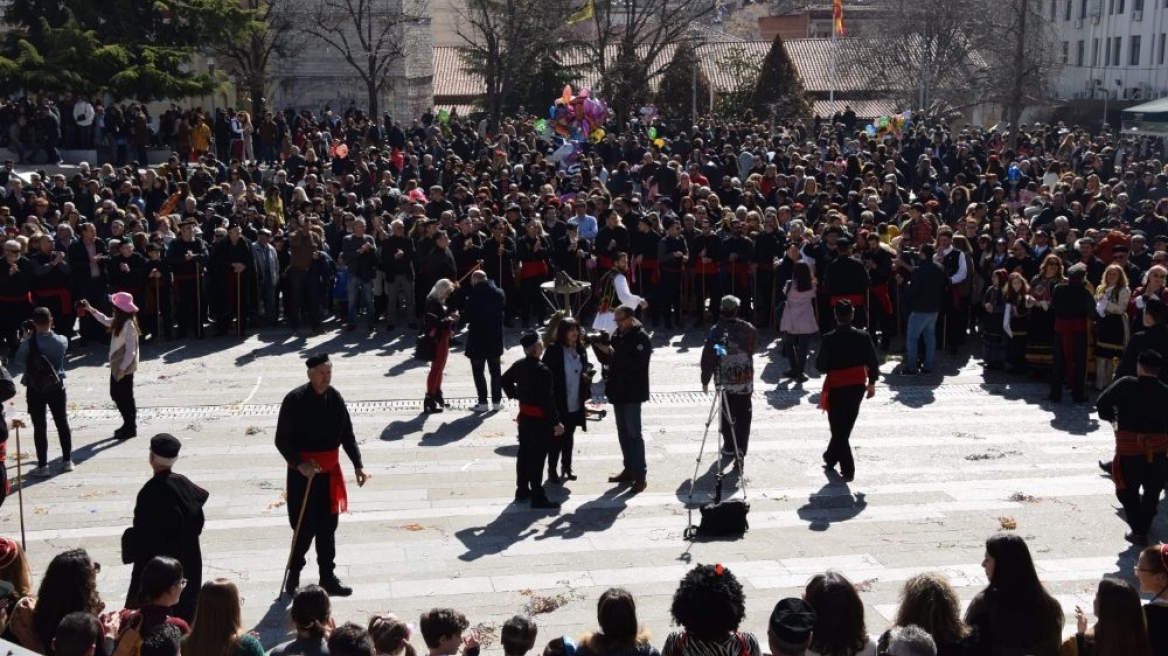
point(295, 535)
point(774, 289)
point(20, 486)
point(198, 299)
point(238, 304)
point(158, 308)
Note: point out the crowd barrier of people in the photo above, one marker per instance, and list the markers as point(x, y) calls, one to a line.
point(1014, 614)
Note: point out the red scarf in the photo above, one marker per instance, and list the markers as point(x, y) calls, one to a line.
point(330, 465)
point(857, 375)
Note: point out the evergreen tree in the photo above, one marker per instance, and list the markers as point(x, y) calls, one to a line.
point(675, 91)
point(779, 88)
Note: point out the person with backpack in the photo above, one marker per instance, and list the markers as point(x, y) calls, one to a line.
point(42, 355)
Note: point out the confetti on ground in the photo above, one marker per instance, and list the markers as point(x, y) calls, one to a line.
point(254, 430)
point(865, 585)
point(1018, 497)
point(540, 604)
point(486, 634)
point(493, 434)
point(194, 427)
point(278, 502)
point(23, 455)
point(416, 527)
point(992, 454)
point(41, 511)
point(1007, 523)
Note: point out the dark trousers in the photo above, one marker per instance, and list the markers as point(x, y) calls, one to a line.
point(531, 302)
point(122, 393)
point(736, 414)
point(476, 369)
point(560, 451)
point(535, 434)
point(303, 292)
point(1142, 482)
point(845, 407)
point(189, 308)
point(765, 292)
point(93, 290)
point(668, 296)
point(12, 313)
point(1069, 349)
point(319, 523)
point(796, 347)
point(56, 403)
point(707, 292)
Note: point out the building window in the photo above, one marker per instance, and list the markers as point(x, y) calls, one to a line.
point(1135, 51)
point(1160, 51)
point(1116, 50)
point(1082, 8)
point(1110, 7)
point(1053, 8)
point(1094, 52)
point(1066, 51)
point(1137, 5)
point(1119, 6)
point(1080, 53)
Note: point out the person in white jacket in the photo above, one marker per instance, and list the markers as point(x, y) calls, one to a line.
point(124, 332)
point(614, 292)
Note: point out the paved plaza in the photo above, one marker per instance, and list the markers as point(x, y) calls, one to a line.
point(942, 463)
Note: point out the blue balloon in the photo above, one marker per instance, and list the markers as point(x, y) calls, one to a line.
point(552, 111)
point(870, 130)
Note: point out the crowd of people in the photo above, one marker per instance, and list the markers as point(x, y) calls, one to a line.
point(1013, 614)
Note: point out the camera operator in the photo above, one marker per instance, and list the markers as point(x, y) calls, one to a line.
point(627, 387)
point(41, 342)
point(729, 352)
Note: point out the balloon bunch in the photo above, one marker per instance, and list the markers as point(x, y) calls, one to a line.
point(889, 126)
point(576, 117)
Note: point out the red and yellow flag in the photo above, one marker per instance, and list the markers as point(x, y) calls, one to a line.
point(837, 18)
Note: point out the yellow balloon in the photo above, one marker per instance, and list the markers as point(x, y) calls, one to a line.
point(659, 142)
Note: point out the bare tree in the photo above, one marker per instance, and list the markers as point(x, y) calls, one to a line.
point(509, 43)
point(1023, 65)
point(271, 34)
point(371, 36)
point(630, 38)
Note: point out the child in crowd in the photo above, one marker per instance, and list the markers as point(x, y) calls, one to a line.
point(442, 629)
point(519, 635)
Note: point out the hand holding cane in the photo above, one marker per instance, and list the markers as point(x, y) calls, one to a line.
point(299, 523)
point(198, 299)
point(16, 426)
point(158, 307)
point(239, 304)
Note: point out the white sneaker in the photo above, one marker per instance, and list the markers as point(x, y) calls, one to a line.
point(40, 472)
point(497, 407)
point(480, 407)
point(66, 466)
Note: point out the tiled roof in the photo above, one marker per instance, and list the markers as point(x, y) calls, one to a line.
point(864, 109)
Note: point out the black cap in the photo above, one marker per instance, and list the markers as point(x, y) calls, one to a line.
point(792, 621)
point(528, 339)
point(1151, 359)
point(316, 360)
point(165, 445)
point(843, 242)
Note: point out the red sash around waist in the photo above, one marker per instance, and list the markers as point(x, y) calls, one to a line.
point(25, 298)
point(533, 269)
point(705, 268)
point(651, 269)
point(740, 271)
point(1070, 325)
point(850, 377)
point(62, 294)
point(604, 261)
point(526, 410)
point(1131, 443)
point(330, 465)
point(881, 293)
point(858, 300)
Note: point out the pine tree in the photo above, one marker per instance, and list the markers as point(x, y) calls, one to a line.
point(675, 91)
point(779, 88)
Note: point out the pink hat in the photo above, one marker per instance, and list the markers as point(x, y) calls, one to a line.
point(124, 302)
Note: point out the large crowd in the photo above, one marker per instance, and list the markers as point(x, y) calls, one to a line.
point(1013, 615)
point(1053, 251)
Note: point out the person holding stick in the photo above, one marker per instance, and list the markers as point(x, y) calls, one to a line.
point(124, 332)
point(313, 425)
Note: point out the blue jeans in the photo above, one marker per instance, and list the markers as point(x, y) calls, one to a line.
point(628, 432)
point(921, 324)
point(360, 292)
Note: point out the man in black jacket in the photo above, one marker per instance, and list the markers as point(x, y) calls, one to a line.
point(627, 387)
point(168, 520)
point(1136, 406)
point(530, 382)
point(1072, 305)
point(483, 314)
point(924, 293)
point(848, 359)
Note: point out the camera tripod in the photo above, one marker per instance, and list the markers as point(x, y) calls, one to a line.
point(717, 407)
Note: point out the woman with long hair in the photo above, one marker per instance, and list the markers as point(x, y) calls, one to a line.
point(620, 632)
point(218, 629)
point(124, 331)
point(572, 384)
point(1152, 573)
point(710, 605)
point(1016, 320)
point(1155, 285)
point(68, 586)
point(311, 617)
point(390, 636)
point(1119, 630)
point(839, 617)
point(437, 324)
point(1014, 615)
point(161, 587)
point(246, 134)
point(928, 601)
point(1111, 334)
point(995, 347)
point(798, 323)
point(1040, 341)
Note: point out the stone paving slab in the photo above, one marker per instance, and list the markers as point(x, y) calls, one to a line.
point(941, 461)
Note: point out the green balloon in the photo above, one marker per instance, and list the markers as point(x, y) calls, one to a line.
point(652, 133)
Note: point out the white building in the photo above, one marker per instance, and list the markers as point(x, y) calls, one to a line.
point(1112, 47)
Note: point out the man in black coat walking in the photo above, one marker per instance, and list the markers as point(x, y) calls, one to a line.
point(627, 387)
point(485, 306)
point(848, 359)
point(168, 520)
point(530, 382)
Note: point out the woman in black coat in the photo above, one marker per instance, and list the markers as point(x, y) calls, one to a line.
point(483, 314)
point(568, 360)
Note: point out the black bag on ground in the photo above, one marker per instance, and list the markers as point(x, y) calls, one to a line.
point(424, 347)
point(724, 519)
point(39, 374)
